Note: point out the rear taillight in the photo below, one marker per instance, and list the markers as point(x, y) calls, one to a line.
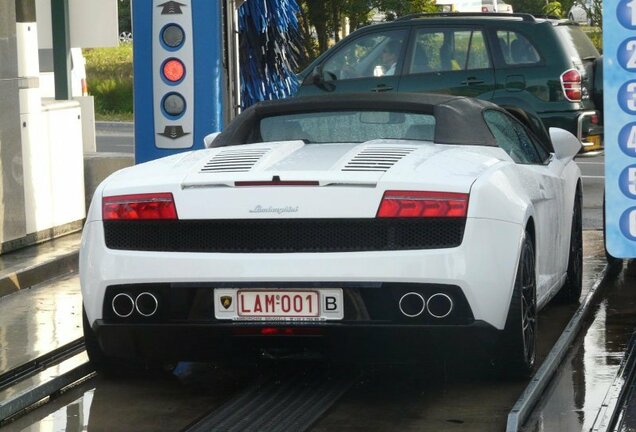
point(416, 204)
point(571, 85)
point(139, 206)
point(484, 9)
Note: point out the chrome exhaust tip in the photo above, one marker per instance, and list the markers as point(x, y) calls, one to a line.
point(412, 304)
point(123, 305)
point(440, 305)
point(146, 304)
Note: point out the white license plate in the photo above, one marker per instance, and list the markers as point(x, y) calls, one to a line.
point(279, 304)
point(294, 304)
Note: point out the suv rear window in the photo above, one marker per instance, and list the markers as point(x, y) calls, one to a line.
point(577, 44)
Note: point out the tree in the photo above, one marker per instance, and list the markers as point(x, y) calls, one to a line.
point(358, 12)
point(528, 6)
point(553, 8)
point(397, 8)
point(325, 16)
point(124, 16)
point(318, 14)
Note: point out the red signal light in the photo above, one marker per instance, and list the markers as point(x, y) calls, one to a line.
point(416, 204)
point(173, 70)
point(139, 207)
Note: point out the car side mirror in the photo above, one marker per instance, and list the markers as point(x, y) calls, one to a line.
point(209, 139)
point(314, 77)
point(566, 145)
point(317, 78)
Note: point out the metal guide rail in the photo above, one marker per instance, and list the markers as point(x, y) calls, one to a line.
point(39, 379)
point(611, 416)
point(294, 403)
point(534, 391)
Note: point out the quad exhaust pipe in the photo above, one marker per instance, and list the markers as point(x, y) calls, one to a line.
point(146, 305)
point(123, 305)
point(439, 305)
point(412, 304)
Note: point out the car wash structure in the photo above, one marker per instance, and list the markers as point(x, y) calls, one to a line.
point(619, 47)
point(197, 63)
point(43, 139)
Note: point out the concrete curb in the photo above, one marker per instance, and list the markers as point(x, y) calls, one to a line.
point(13, 281)
point(115, 126)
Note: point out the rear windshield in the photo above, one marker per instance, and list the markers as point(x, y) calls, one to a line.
point(578, 46)
point(347, 126)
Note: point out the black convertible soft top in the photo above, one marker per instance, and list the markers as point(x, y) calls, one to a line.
point(458, 120)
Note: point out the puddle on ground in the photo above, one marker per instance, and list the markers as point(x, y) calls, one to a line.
point(578, 389)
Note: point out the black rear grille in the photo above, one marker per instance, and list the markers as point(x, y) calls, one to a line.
point(284, 236)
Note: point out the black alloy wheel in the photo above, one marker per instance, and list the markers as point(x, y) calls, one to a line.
point(517, 348)
point(571, 290)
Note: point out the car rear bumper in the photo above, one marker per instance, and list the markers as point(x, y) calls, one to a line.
point(579, 123)
point(483, 267)
point(202, 342)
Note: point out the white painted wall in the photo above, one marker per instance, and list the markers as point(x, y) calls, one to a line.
point(52, 147)
point(63, 124)
point(93, 23)
point(53, 160)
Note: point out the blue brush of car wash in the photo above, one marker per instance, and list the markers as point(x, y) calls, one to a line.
point(270, 50)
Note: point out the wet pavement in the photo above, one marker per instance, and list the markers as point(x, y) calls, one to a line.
point(577, 391)
point(452, 392)
point(38, 320)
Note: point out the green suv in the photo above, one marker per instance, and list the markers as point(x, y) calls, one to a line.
point(543, 66)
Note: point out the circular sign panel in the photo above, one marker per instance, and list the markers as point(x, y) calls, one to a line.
point(626, 14)
point(628, 223)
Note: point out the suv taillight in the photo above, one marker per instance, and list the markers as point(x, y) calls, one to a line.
point(139, 206)
point(571, 85)
point(416, 204)
point(484, 9)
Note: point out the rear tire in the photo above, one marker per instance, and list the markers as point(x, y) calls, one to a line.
point(516, 355)
point(571, 290)
point(113, 367)
point(103, 364)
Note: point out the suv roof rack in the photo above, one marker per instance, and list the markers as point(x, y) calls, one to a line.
point(524, 16)
point(552, 17)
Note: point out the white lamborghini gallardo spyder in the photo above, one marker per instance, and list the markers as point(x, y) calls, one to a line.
point(337, 221)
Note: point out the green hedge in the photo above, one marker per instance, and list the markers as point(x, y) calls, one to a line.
point(109, 77)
